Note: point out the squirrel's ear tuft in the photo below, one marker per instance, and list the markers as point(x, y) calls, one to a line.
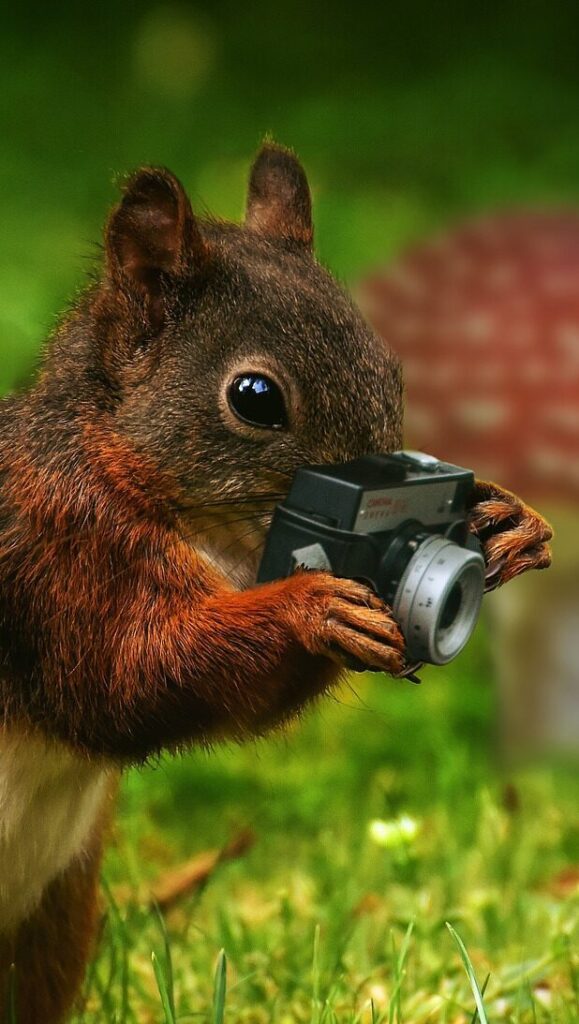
point(152, 234)
point(279, 202)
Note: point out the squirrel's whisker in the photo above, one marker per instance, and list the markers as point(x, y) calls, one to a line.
point(215, 558)
point(232, 500)
point(247, 554)
point(189, 530)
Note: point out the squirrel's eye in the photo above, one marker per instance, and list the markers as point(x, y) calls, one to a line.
point(258, 400)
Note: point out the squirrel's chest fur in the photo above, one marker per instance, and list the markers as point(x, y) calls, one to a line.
point(50, 805)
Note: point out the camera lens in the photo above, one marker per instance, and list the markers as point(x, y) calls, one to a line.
point(438, 599)
point(451, 608)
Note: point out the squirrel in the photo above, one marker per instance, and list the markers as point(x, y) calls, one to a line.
point(138, 476)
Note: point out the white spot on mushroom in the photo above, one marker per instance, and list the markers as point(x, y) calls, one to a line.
point(532, 371)
point(477, 327)
point(421, 421)
point(501, 276)
point(549, 462)
point(481, 413)
point(564, 416)
point(406, 281)
point(557, 283)
point(567, 335)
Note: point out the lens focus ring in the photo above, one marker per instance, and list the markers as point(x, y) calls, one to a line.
point(438, 599)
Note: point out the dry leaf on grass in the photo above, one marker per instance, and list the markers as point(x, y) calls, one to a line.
point(178, 882)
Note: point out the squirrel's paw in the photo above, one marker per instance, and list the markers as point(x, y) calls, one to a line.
point(347, 622)
point(514, 537)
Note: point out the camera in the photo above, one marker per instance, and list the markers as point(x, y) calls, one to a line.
point(396, 522)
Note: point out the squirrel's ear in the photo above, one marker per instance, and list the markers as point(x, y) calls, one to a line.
point(151, 235)
point(279, 203)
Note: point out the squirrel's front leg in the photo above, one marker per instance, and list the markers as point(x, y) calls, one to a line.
point(297, 633)
point(279, 644)
point(341, 619)
point(234, 664)
point(514, 537)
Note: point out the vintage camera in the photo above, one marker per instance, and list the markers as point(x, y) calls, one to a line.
point(398, 523)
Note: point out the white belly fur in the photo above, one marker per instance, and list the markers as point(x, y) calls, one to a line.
point(49, 804)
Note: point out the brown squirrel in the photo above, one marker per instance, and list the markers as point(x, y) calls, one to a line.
point(137, 480)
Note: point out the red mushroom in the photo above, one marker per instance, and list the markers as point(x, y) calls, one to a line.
point(486, 321)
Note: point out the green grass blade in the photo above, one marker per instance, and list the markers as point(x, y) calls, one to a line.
point(316, 975)
point(220, 988)
point(399, 968)
point(119, 936)
point(470, 973)
point(163, 992)
point(169, 973)
point(531, 999)
point(475, 1017)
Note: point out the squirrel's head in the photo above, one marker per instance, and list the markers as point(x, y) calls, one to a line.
point(233, 357)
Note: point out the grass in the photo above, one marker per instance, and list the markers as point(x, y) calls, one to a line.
point(397, 874)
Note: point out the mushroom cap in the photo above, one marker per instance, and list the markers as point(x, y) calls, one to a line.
point(486, 321)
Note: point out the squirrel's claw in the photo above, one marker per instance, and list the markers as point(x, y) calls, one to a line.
point(347, 622)
point(514, 537)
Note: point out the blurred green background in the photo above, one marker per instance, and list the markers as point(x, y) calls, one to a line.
point(406, 115)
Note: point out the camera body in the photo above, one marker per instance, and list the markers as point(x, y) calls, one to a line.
point(398, 523)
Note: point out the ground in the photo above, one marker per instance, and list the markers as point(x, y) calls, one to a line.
point(380, 817)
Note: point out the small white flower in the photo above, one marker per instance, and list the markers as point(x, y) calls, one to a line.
point(396, 832)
